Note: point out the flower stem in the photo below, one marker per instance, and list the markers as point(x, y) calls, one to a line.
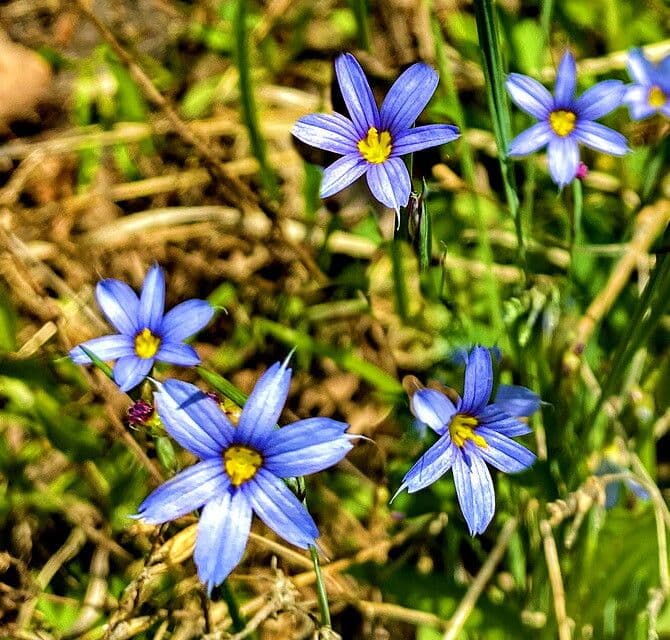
point(233, 610)
point(497, 99)
point(360, 11)
point(321, 593)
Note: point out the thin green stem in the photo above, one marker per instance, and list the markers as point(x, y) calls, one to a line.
point(228, 597)
point(248, 103)
point(399, 285)
point(360, 10)
point(321, 593)
point(498, 106)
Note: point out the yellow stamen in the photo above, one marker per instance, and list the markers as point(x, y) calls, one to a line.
point(241, 464)
point(376, 148)
point(462, 428)
point(562, 122)
point(656, 97)
point(146, 344)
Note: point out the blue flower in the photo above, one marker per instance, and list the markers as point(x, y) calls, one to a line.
point(650, 91)
point(473, 432)
point(241, 469)
point(566, 121)
point(372, 140)
point(146, 332)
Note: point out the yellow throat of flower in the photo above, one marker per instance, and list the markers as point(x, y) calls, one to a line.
point(146, 344)
point(376, 147)
point(562, 122)
point(462, 428)
point(656, 97)
point(241, 464)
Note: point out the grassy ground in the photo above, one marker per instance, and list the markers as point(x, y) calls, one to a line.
point(159, 131)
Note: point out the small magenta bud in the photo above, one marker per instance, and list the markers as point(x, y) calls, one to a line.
point(582, 171)
point(140, 413)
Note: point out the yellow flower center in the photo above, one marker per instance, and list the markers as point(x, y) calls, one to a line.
point(462, 428)
point(656, 97)
point(562, 122)
point(376, 147)
point(241, 463)
point(146, 344)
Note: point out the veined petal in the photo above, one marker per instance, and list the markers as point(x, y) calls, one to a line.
point(601, 138)
point(517, 400)
point(185, 320)
point(193, 419)
point(504, 453)
point(529, 95)
point(342, 173)
point(178, 353)
point(432, 408)
point(306, 446)
point(493, 417)
point(105, 348)
point(530, 140)
point(600, 99)
point(186, 492)
point(129, 371)
point(223, 532)
point(280, 510)
point(640, 69)
point(389, 182)
point(119, 304)
point(332, 132)
point(408, 97)
point(431, 466)
point(563, 156)
point(418, 138)
point(478, 381)
point(265, 403)
point(566, 78)
point(357, 94)
point(474, 488)
point(152, 300)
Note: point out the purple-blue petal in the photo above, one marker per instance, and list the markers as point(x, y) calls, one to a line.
point(493, 417)
point(517, 400)
point(430, 135)
point(152, 299)
point(504, 453)
point(306, 446)
point(478, 381)
point(474, 488)
point(637, 99)
point(185, 320)
point(120, 305)
point(432, 408)
point(563, 156)
point(186, 492)
point(223, 532)
point(178, 353)
point(529, 95)
point(600, 99)
point(357, 94)
point(431, 466)
point(408, 97)
point(566, 79)
point(193, 419)
point(601, 138)
point(342, 173)
point(641, 70)
point(279, 509)
point(531, 139)
point(389, 183)
point(129, 371)
point(331, 132)
point(105, 348)
point(264, 405)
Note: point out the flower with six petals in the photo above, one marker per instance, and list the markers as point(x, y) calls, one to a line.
point(146, 332)
point(473, 432)
point(241, 469)
point(372, 140)
point(650, 91)
point(564, 120)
